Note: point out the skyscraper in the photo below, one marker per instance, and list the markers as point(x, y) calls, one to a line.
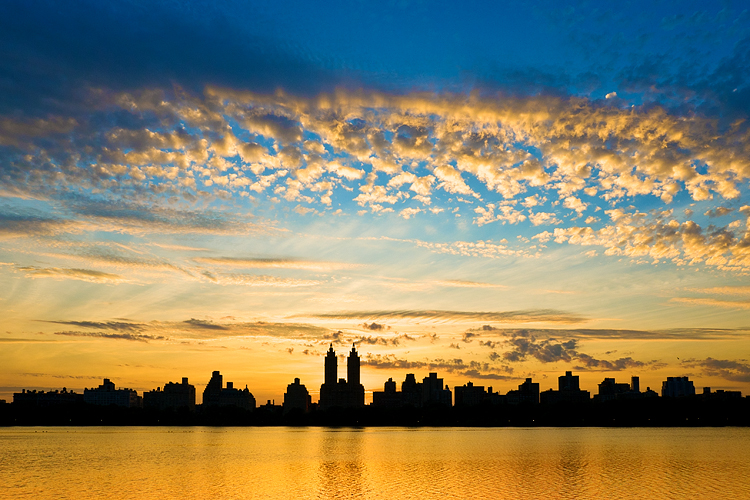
point(342, 393)
point(352, 367)
point(331, 373)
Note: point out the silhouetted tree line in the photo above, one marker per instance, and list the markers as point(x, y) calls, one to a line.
point(650, 412)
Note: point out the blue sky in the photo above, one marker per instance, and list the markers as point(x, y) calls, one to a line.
point(489, 190)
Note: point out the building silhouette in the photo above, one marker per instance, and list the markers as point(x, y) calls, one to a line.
point(389, 397)
point(106, 394)
point(340, 392)
point(415, 394)
point(216, 395)
point(609, 390)
point(434, 392)
point(296, 397)
point(528, 392)
point(720, 395)
point(568, 390)
point(174, 396)
point(635, 384)
point(676, 387)
point(411, 391)
point(471, 395)
point(46, 399)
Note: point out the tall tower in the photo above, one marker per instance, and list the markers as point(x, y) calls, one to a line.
point(352, 368)
point(331, 373)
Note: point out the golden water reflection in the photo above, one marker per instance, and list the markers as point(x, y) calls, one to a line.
point(387, 463)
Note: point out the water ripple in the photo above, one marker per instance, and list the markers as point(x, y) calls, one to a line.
point(394, 463)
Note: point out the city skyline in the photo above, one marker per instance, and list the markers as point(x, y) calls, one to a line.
point(342, 392)
point(490, 192)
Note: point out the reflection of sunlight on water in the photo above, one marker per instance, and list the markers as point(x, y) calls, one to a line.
point(342, 464)
point(397, 463)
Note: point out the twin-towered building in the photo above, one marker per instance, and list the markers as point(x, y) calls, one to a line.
point(339, 392)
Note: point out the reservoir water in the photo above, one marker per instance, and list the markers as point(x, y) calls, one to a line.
point(385, 463)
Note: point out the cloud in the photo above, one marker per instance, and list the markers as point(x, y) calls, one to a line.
point(52, 375)
point(207, 325)
point(482, 248)
point(526, 316)
point(468, 337)
point(584, 146)
point(203, 329)
point(106, 325)
point(30, 224)
point(703, 301)
point(614, 334)
point(546, 351)
point(114, 336)
point(451, 181)
point(135, 218)
point(384, 341)
point(719, 212)
point(260, 263)
point(374, 326)
point(660, 236)
point(723, 290)
point(505, 213)
point(590, 363)
point(473, 369)
point(476, 374)
point(543, 218)
point(521, 152)
point(260, 280)
point(467, 284)
point(734, 370)
point(553, 351)
point(76, 274)
point(408, 213)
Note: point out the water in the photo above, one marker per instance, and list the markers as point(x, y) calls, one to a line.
point(388, 463)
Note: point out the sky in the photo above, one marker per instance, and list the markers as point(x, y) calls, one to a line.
point(486, 190)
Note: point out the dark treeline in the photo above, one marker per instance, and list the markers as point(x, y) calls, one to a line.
point(653, 412)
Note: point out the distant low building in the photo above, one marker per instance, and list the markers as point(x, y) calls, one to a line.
point(174, 396)
point(46, 399)
point(106, 394)
point(296, 397)
point(676, 387)
point(216, 394)
point(720, 394)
